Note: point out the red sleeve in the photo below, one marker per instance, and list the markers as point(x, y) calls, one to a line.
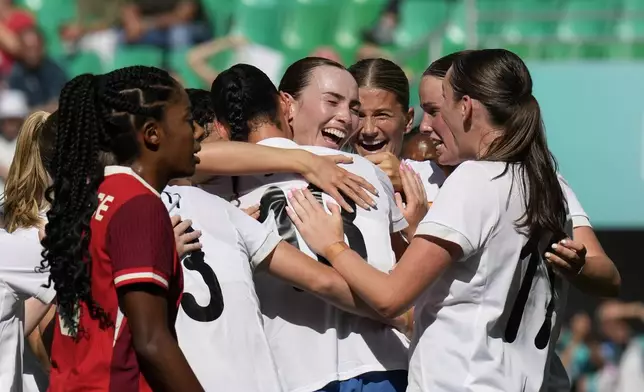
point(140, 242)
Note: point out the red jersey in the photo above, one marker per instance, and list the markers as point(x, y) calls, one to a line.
point(132, 242)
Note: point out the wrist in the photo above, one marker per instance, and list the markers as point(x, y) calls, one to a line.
point(331, 252)
point(299, 161)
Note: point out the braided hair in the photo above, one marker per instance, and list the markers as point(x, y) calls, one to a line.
point(243, 97)
point(96, 115)
point(202, 108)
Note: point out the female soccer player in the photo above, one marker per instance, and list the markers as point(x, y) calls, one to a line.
point(600, 275)
point(25, 300)
point(352, 352)
point(480, 323)
point(385, 119)
point(109, 241)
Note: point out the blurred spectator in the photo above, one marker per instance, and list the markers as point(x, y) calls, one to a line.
point(168, 24)
point(94, 29)
point(12, 21)
point(383, 32)
point(35, 74)
point(13, 111)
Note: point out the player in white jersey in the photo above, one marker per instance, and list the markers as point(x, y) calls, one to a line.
point(219, 326)
point(606, 281)
point(487, 302)
point(385, 119)
point(24, 300)
point(348, 349)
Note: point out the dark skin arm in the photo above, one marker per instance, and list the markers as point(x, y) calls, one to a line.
point(162, 362)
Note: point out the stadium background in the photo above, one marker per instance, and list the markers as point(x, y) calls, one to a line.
point(586, 57)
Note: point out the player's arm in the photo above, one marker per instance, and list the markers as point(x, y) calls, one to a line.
point(39, 340)
point(296, 268)
point(35, 311)
point(583, 260)
point(140, 242)
point(585, 264)
point(446, 236)
point(235, 158)
point(267, 252)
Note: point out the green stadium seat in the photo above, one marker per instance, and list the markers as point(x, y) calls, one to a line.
point(307, 24)
point(353, 18)
point(577, 32)
point(418, 18)
point(84, 62)
point(258, 21)
point(138, 55)
point(178, 62)
point(630, 31)
point(528, 31)
point(219, 14)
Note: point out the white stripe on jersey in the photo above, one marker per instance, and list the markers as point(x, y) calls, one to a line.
point(225, 345)
point(314, 343)
point(466, 341)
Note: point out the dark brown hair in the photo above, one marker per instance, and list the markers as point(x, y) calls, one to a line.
point(501, 82)
point(384, 75)
point(440, 67)
point(298, 75)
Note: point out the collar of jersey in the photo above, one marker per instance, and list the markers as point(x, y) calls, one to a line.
point(111, 170)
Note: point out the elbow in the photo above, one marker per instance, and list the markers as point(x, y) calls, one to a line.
point(614, 286)
point(148, 346)
point(389, 306)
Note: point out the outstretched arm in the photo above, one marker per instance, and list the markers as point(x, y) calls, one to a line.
point(235, 158)
point(291, 265)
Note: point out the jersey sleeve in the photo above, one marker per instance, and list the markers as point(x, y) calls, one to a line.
point(259, 240)
point(577, 214)
point(140, 242)
point(20, 269)
point(397, 221)
point(465, 211)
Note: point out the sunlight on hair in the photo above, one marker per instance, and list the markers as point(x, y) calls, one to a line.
point(24, 197)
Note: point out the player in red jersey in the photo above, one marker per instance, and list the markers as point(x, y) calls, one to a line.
point(109, 242)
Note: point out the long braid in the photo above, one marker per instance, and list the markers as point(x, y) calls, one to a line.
point(97, 114)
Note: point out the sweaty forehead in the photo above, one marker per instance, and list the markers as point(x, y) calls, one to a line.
point(327, 79)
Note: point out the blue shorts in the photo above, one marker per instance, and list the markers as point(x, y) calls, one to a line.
point(391, 381)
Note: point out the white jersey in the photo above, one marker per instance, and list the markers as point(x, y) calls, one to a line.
point(432, 176)
point(19, 280)
point(315, 343)
point(479, 324)
point(219, 326)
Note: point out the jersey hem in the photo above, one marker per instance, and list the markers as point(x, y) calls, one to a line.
point(580, 221)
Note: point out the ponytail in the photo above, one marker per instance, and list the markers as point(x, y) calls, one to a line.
point(24, 196)
point(501, 82)
point(524, 141)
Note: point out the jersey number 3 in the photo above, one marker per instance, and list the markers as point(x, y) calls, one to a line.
point(211, 312)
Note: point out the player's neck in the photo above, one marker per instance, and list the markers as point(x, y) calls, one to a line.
point(149, 174)
point(264, 131)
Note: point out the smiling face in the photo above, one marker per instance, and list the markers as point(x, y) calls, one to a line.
point(326, 112)
point(383, 123)
point(431, 101)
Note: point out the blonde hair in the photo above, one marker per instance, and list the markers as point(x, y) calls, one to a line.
point(24, 194)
